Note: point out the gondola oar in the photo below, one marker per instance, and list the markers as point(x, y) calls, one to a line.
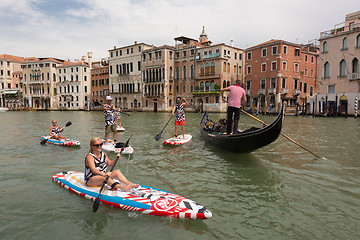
point(126, 113)
point(292, 140)
point(157, 137)
point(45, 140)
point(97, 200)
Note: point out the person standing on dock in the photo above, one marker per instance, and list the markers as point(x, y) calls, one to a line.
point(237, 96)
point(110, 119)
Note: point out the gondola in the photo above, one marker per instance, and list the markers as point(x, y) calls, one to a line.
point(243, 142)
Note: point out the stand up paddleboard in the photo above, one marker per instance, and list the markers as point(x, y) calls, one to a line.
point(120, 129)
point(62, 142)
point(179, 140)
point(111, 147)
point(144, 199)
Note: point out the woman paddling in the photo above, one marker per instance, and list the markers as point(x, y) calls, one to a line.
point(96, 163)
point(55, 131)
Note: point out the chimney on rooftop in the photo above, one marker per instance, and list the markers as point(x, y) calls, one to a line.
point(231, 43)
point(135, 42)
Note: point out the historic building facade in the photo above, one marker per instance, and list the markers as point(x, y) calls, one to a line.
point(192, 69)
point(74, 85)
point(99, 83)
point(11, 81)
point(39, 79)
point(158, 78)
point(339, 75)
point(279, 71)
point(125, 75)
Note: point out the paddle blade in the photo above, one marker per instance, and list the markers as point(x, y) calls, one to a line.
point(68, 124)
point(43, 141)
point(157, 137)
point(96, 205)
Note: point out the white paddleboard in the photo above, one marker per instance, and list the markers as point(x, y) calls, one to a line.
point(110, 147)
point(120, 129)
point(179, 140)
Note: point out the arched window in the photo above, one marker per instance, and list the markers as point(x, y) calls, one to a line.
point(184, 72)
point(228, 67)
point(311, 91)
point(342, 68)
point(207, 86)
point(177, 73)
point(224, 84)
point(212, 86)
point(170, 89)
point(355, 65)
point(192, 72)
point(170, 72)
point(177, 89)
point(202, 69)
point(212, 68)
point(344, 45)
point(201, 86)
point(357, 43)
point(224, 68)
point(184, 89)
point(326, 70)
point(227, 83)
point(207, 68)
point(325, 47)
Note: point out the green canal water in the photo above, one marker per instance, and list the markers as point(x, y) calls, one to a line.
point(277, 192)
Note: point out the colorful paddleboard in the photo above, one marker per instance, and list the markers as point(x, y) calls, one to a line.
point(120, 129)
point(110, 146)
point(179, 140)
point(144, 199)
point(62, 142)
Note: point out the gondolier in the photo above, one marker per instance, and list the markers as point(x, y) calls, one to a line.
point(236, 97)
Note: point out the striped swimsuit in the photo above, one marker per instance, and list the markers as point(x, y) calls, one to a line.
point(100, 164)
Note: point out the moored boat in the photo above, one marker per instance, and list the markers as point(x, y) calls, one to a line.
point(243, 142)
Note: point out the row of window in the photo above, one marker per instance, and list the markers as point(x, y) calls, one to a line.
point(40, 65)
point(71, 89)
point(274, 51)
point(344, 44)
point(342, 68)
point(100, 82)
point(284, 68)
point(119, 52)
point(125, 68)
point(71, 70)
point(300, 86)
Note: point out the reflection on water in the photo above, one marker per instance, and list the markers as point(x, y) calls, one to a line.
point(277, 192)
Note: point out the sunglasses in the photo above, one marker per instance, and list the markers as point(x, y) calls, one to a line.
point(97, 145)
point(54, 122)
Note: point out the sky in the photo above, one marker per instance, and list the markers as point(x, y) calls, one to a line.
point(68, 29)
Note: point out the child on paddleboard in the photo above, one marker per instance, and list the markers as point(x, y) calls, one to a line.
point(180, 114)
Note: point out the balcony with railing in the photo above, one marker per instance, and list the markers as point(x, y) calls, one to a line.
point(339, 29)
point(354, 76)
point(296, 91)
point(262, 91)
point(284, 91)
point(272, 90)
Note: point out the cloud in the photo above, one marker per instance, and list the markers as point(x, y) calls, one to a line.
point(69, 28)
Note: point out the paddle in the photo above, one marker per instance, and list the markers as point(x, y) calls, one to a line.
point(97, 200)
point(45, 140)
point(292, 140)
point(157, 137)
point(126, 113)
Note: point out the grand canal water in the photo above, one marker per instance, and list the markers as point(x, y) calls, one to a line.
point(277, 192)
